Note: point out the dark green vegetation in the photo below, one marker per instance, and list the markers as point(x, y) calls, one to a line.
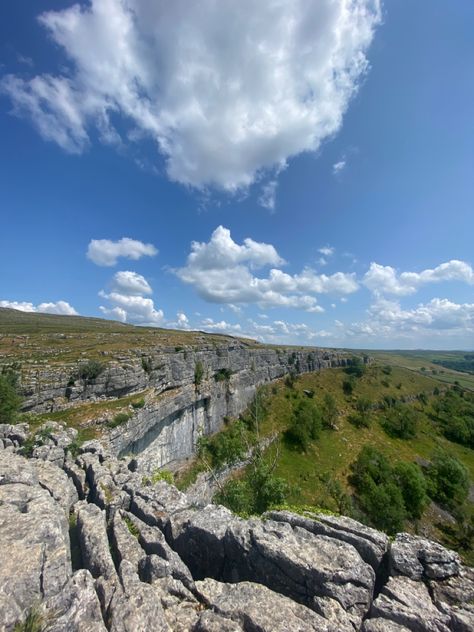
point(392, 451)
point(464, 364)
point(10, 400)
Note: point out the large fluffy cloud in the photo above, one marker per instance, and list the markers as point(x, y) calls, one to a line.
point(226, 89)
point(386, 280)
point(105, 252)
point(222, 271)
point(129, 301)
point(59, 307)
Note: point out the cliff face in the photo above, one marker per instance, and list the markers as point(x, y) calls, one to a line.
point(189, 391)
point(89, 546)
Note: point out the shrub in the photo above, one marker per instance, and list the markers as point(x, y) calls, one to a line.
point(448, 480)
point(198, 373)
point(118, 420)
point(413, 487)
point(348, 387)
point(9, 398)
point(305, 425)
point(330, 411)
point(162, 475)
point(138, 404)
point(147, 365)
point(355, 368)
point(225, 447)
point(222, 375)
point(387, 369)
point(36, 621)
point(131, 526)
point(90, 370)
point(376, 490)
point(400, 421)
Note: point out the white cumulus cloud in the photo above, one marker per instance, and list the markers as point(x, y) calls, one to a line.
point(222, 271)
point(127, 282)
point(386, 280)
point(59, 307)
point(105, 252)
point(224, 89)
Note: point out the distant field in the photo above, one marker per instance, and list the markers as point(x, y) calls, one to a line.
point(423, 362)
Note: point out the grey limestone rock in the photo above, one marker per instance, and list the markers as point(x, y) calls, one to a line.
point(383, 625)
point(35, 560)
point(92, 530)
point(370, 543)
point(418, 558)
point(56, 482)
point(407, 602)
point(76, 608)
point(256, 607)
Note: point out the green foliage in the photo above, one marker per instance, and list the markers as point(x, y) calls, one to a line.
point(464, 364)
point(257, 492)
point(330, 411)
point(10, 400)
point(356, 367)
point(36, 621)
point(290, 380)
point(162, 475)
point(118, 420)
point(198, 373)
point(222, 375)
point(387, 495)
point(400, 421)
point(305, 424)
point(362, 418)
point(448, 480)
point(387, 369)
point(147, 365)
point(227, 447)
point(132, 527)
point(138, 404)
point(347, 387)
point(454, 415)
point(413, 487)
point(90, 370)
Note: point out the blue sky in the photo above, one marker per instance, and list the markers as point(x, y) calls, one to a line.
point(299, 172)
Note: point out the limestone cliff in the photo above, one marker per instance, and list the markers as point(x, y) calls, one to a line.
point(189, 391)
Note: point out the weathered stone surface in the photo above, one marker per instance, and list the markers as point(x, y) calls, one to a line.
point(76, 608)
point(383, 625)
point(56, 482)
point(210, 621)
point(408, 603)
point(294, 562)
point(125, 543)
point(35, 558)
point(92, 531)
point(135, 607)
point(418, 558)
point(256, 607)
point(370, 543)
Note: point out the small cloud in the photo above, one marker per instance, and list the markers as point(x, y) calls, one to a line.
point(327, 251)
point(268, 197)
point(333, 305)
point(338, 167)
point(59, 307)
point(343, 299)
point(104, 252)
point(23, 59)
point(322, 261)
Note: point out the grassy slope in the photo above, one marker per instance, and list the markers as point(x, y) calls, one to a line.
point(336, 450)
point(35, 337)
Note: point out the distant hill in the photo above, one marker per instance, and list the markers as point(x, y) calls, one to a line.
point(19, 322)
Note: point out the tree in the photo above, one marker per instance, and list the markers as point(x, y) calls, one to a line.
point(305, 425)
point(400, 421)
point(330, 411)
point(9, 398)
point(448, 480)
point(413, 487)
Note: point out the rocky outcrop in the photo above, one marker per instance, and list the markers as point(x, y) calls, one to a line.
point(187, 392)
point(132, 557)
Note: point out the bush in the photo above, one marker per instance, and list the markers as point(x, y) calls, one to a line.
point(348, 387)
point(356, 367)
point(330, 411)
point(448, 480)
point(90, 370)
point(400, 421)
point(413, 487)
point(198, 373)
point(118, 420)
point(147, 365)
point(138, 404)
point(9, 398)
point(227, 447)
point(377, 491)
point(305, 425)
point(222, 375)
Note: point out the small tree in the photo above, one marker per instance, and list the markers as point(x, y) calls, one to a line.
point(413, 487)
point(9, 399)
point(330, 411)
point(448, 480)
point(198, 373)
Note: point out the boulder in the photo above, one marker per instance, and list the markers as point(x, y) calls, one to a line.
point(418, 558)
